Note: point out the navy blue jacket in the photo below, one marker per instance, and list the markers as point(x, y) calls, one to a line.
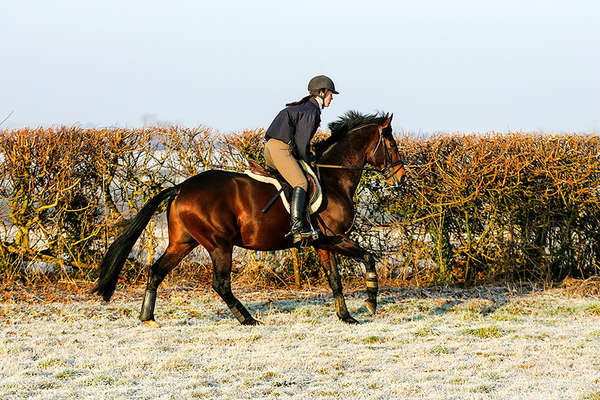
point(296, 125)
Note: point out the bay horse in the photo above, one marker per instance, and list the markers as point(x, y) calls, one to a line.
point(221, 209)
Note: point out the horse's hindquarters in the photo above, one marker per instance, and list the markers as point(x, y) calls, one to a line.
point(218, 207)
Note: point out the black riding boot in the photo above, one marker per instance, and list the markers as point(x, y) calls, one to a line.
point(299, 227)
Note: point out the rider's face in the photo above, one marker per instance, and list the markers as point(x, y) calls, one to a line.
point(328, 98)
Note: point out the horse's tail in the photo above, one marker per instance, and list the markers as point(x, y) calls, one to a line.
point(117, 253)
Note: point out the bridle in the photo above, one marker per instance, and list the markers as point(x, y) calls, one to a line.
point(388, 165)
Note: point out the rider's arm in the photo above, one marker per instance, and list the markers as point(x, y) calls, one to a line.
point(305, 129)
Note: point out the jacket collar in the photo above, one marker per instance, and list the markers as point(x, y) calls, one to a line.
point(315, 103)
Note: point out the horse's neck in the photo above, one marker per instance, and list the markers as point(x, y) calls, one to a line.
point(348, 153)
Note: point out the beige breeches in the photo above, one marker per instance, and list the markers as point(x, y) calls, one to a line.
point(278, 155)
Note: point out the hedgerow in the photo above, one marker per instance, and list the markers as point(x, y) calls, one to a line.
point(473, 207)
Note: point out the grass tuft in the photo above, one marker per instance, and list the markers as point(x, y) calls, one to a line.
point(373, 339)
point(485, 332)
point(52, 362)
point(426, 332)
point(593, 309)
point(560, 310)
point(439, 349)
point(482, 389)
point(591, 396)
point(67, 374)
point(254, 338)
point(99, 381)
point(176, 364)
point(270, 375)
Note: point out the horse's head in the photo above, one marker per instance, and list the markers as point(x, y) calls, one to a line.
point(382, 152)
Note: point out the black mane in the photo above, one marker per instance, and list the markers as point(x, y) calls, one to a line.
point(347, 122)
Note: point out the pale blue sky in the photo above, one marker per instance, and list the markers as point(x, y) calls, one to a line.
point(437, 65)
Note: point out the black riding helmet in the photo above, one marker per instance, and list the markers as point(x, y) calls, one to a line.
point(321, 82)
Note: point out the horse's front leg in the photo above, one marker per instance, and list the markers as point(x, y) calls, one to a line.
point(348, 247)
point(329, 265)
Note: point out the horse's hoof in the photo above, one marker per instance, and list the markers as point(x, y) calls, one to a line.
point(349, 320)
point(151, 323)
point(251, 321)
point(372, 307)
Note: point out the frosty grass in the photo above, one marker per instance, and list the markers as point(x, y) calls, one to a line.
point(431, 344)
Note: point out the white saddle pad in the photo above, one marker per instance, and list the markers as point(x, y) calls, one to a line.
point(315, 201)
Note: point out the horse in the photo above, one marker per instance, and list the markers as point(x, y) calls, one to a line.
point(220, 209)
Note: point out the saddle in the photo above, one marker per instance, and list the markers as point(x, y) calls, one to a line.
point(262, 174)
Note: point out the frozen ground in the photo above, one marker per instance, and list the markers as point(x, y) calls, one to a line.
point(487, 343)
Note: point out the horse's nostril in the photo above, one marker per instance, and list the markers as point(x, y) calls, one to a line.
point(400, 176)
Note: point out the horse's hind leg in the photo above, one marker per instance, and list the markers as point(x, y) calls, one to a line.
point(349, 248)
point(169, 260)
point(335, 282)
point(221, 258)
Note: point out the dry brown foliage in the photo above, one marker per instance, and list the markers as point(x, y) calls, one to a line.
point(519, 204)
point(473, 208)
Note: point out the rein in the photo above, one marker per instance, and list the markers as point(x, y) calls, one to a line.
point(383, 171)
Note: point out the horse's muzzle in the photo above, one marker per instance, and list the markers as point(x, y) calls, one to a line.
point(397, 177)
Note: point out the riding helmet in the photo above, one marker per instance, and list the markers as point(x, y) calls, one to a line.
point(321, 82)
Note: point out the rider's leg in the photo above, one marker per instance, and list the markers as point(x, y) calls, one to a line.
point(299, 228)
point(279, 156)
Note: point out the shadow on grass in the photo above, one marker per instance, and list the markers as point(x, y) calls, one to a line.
point(409, 302)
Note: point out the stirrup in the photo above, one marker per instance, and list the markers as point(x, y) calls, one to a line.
point(309, 236)
point(303, 241)
point(302, 236)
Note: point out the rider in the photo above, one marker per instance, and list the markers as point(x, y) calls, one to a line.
point(288, 139)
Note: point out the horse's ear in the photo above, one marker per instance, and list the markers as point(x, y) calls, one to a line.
point(388, 121)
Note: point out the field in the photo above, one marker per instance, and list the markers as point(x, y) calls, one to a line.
point(445, 343)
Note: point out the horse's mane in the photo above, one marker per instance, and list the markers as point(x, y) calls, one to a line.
point(347, 122)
